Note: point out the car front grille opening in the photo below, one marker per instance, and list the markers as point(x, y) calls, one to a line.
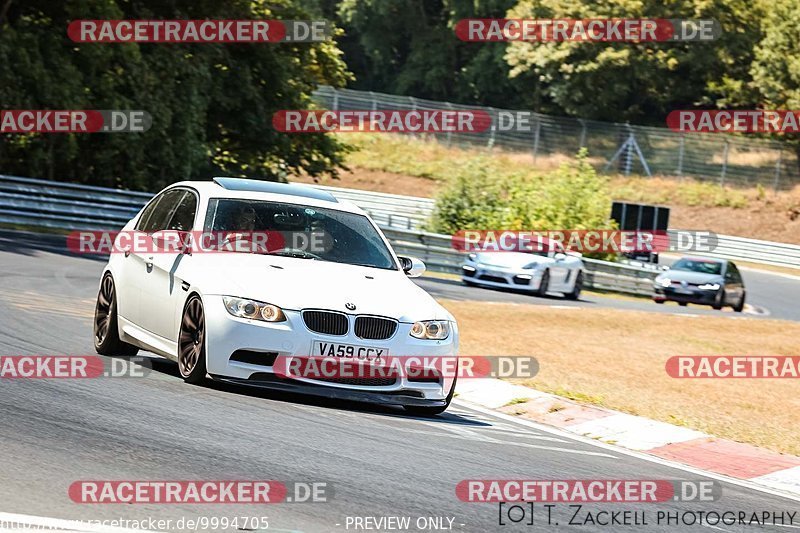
point(519, 280)
point(495, 279)
point(468, 273)
point(326, 322)
point(361, 382)
point(253, 357)
point(424, 379)
point(375, 328)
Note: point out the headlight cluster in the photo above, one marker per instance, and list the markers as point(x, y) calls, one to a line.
point(431, 329)
point(709, 286)
point(253, 310)
point(664, 282)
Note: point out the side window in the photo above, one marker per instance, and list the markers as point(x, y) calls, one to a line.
point(734, 273)
point(183, 218)
point(162, 212)
point(148, 211)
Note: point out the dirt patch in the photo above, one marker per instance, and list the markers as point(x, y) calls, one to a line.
point(774, 221)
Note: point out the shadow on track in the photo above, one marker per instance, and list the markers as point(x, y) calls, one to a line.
point(170, 368)
point(29, 244)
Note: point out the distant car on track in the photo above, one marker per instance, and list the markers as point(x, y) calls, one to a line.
point(230, 315)
point(537, 272)
point(700, 280)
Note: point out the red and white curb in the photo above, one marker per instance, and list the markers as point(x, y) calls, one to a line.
point(677, 444)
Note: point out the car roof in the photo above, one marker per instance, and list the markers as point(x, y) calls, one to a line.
point(248, 189)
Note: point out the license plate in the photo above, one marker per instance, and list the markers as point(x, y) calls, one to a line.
point(684, 291)
point(349, 351)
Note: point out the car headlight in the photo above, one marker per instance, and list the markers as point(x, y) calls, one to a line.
point(253, 310)
point(530, 266)
point(664, 282)
point(709, 286)
point(431, 329)
point(472, 257)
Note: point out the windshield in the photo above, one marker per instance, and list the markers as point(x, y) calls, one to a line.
point(698, 265)
point(345, 237)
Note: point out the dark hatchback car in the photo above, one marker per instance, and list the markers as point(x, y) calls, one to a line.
point(700, 280)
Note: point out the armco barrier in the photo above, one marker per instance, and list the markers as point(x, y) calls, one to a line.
point(41, 203)
point(49, 204)
point(409, 212)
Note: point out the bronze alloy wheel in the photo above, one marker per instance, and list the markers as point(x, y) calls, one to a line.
point(102, 311)
point(191, 342)
point(106, 332)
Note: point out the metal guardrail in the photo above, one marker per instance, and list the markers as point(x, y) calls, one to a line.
point(49, 204)
point(409, 212)
point(388, 210)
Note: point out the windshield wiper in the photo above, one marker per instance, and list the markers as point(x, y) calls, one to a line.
point(299, 254)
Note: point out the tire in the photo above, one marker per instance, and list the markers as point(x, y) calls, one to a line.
point(683, 304)
point(577, 288)
point(192, 342)
point(420, 410)
point(106, 328)
point(544, 284)
point(659, 301)
point(739, 307)
point(719, 302)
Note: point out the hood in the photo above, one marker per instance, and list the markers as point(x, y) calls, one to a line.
point(697, 278)
point(509, 259)
point(295, 284)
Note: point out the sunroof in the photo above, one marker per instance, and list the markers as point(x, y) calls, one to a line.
point(240, 184)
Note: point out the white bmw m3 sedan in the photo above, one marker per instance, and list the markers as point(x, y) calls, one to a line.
point(229, 308)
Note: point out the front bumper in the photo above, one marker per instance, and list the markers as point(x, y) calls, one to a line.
point(495, 276)
point(272, 381)
point(692, 296)
point(227, 334)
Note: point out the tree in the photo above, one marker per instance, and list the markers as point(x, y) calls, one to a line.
point(409, 47)
point(211, 104)
point(639, 82)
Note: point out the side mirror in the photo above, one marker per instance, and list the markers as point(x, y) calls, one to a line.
point(412, 266)
point(559, 256)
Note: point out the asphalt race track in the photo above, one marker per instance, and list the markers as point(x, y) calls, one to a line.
point(378, 461)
